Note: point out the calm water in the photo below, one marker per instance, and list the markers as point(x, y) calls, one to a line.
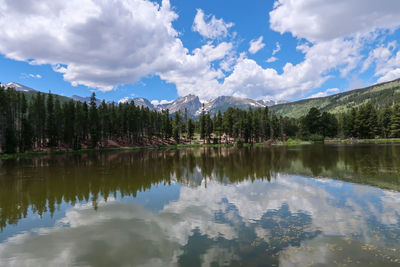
point(300, 206)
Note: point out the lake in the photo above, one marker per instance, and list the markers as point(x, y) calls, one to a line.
point(316, 205)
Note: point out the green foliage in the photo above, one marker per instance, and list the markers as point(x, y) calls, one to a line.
point(378, 95)
point(45, 121)
point(239, 143)
point(395, 122)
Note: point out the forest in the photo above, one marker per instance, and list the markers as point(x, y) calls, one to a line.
point(44, 122)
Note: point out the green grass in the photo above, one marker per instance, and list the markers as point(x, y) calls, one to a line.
point(364, 141)
point(85, 151)
point(293, 142)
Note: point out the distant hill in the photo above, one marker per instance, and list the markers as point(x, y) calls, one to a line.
point(29, 92)
point(379, 95)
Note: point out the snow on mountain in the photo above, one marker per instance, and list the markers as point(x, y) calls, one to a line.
point(19, 87)
point(191, 103)
point(143, 102)
point(85, 99)
point(222, 103)
point(270, 103)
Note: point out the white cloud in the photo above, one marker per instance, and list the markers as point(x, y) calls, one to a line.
point(272, 59)
point(36, 76)
point(212, 52)
point(31, 75)
point(213, 28)
point(387, 62)
point(320, 20)
point(88, 41)
point(162, 102)
point(277, 48)
point(251, 80)
point(327, 92)
point(256, 45)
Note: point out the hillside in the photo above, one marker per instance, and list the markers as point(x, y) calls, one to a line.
point(29, 92)
point(379, 94)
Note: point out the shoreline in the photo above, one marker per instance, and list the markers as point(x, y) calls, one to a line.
point(295, 142)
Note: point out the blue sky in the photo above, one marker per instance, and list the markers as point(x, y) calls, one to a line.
point(161, 50)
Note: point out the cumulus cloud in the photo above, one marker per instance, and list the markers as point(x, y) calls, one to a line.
point(100, 44)
point(212, 52)
point(256, 45)
point(162, 102)
point(213, 28)
point(250, 79)
point(319, 20)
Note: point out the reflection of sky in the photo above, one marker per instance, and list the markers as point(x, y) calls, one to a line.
point(156, 198)
point(168, 225)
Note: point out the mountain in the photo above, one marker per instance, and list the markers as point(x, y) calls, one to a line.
point(85, 99)
point(20, 87)
point(190, 102)
point(29, 92)
point(222, 103)
point(143, 102)
point(270, 103)
point(378, 94)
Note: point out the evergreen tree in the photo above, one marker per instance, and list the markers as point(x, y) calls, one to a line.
point(26, 128)
point(190, 129)
point(219, 125)
point(202, 123)
point(51, 126)
point(208, 127)
point(177, 127)
point(312, 121)
point(329, 125)
point(93, 122)
point(385, 117)
point(395, 122)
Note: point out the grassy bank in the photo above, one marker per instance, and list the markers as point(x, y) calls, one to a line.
point(85, 151)
point(364, 141)
point(290, 142)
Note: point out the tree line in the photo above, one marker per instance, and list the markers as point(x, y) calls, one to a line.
point(45, 122)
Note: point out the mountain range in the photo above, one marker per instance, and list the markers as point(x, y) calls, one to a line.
point(379, 94)
point(194, 105)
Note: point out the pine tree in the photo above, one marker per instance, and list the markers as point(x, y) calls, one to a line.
point(177, 127)
point(219, 125)
point(373, 124)
point(395, 122)
point(385, 117)
point(312, 121)
point(26, 127)
point(51, 126)
point(202, 123)
point(208, 127)
point(190, 129)
point(266, 124)
point(93, 122)
point(58, 119)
